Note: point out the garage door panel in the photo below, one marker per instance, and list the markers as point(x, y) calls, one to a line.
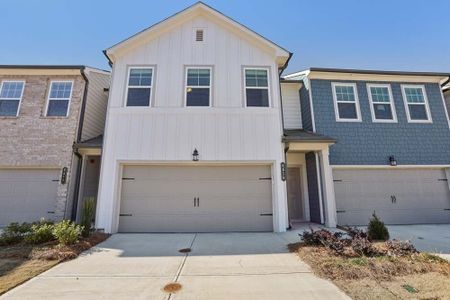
point(197, 223)
point(420, 196)
point(161, 199)
point(26, 195)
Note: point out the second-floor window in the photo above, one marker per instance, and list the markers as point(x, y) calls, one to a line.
point(59, 99)
point(346, 103)
point(416, 104)
point(256, 87)
point(198, 86)
point(10, 96)
point(381, 101)
point(139, 91)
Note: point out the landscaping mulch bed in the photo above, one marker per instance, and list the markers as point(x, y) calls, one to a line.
point(21, 262)
point(410, 276)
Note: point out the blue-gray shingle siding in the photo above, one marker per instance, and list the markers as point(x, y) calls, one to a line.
point(369, 143)
point(306, 109)
point(313, 187)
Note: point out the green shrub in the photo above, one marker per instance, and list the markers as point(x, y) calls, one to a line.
point(87, 215)
point(14, 233)
point(377, 230)
point(40, 233)
point(67, 232)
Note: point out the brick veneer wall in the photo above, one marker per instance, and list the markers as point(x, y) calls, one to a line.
point(32, 140)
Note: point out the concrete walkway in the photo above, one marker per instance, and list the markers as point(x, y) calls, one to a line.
point(428, 238)
point(220, 266)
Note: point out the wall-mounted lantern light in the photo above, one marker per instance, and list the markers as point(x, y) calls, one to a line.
point(195, 155)
point(392, 161)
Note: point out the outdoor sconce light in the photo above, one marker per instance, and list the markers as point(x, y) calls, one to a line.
point(195, 155)
point(392, 161)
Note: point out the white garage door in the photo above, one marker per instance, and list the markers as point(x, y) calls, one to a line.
point(196, 199)
point(408, 196)
point(26, 195)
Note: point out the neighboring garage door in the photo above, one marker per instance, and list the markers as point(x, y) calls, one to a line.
point(196, 199)
point(402, 196)
point(26, 195)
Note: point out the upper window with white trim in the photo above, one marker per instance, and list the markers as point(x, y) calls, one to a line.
point(198, 86)
point(139, 87)
point(381, 103)
point(59, 98)
point(416, 104)
point(257, 87)
point(11, 93)
point(346, 102)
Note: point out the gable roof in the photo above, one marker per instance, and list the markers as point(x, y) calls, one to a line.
point(193, 10)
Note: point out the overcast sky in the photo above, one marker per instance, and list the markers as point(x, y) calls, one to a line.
point(392, 35)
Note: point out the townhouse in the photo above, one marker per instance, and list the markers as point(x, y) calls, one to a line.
point(44, 112)
point(202, 133)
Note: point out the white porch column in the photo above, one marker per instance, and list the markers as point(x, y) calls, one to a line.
point(328, 189)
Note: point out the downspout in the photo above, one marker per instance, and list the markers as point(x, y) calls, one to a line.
point(279, 87)
point(282, 118)
point(76, 193)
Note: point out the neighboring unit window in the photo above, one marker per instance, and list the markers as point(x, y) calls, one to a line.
point(59, 98)
point(139, 86)
point(416, 103)
point(346, 102)
point(381, 101)
point(198, 86)
point(10, 96)
point(257, 87)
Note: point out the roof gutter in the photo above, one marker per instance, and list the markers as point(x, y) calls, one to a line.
point(105, 53)
point(281, 70)
point(446, 82)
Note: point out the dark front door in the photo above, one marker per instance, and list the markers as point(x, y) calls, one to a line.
point(295, 203)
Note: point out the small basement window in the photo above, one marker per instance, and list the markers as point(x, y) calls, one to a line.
point(199, 35)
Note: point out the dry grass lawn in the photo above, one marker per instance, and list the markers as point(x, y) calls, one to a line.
point(416, 276)
point(22, 262)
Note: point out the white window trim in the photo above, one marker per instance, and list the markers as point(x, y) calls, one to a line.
point(139, 86)
point(69, 99)
point(13, 99)
point(391, 103)
point(425, 97)
point(186, 86)
point(258, 87)
point(336, 110)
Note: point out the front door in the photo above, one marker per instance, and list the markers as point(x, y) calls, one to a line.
point(294, 192)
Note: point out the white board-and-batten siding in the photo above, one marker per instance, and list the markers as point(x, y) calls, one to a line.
point(168, 132)
point(291, 105)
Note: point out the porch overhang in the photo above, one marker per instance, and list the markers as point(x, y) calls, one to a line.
point(303, 140)
point(90, 147)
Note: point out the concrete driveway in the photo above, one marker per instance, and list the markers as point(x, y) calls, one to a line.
point(220, 266)
point(429, 238)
